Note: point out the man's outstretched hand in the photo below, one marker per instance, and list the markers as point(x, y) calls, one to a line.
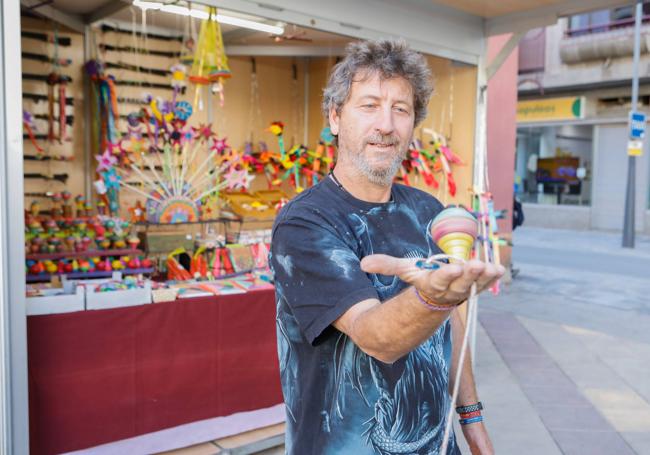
point(448, 285)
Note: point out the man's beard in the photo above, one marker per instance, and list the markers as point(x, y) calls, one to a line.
point(378, 176)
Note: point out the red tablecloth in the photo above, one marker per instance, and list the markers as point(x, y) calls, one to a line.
point(101, 376)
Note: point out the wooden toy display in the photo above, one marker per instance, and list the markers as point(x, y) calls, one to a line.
point(188, 187)
point(86, 245)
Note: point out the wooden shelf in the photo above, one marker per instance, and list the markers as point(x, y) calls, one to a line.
point(83, 254)
point(184, 223)
point(75, 275)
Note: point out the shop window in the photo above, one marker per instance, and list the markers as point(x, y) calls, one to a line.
point(624, 102)
point(532, 51)
point(605, 20)
point(553, 165)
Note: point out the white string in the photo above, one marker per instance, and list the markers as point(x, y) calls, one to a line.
point(472, 304)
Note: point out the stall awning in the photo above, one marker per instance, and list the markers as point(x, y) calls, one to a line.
point(454, 29)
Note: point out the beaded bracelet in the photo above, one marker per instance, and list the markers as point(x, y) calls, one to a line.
point(431, 305)
point(468, 415)
point(471, 420)
point(470, 408)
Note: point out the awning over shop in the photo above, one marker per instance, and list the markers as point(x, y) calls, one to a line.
point(454, 29)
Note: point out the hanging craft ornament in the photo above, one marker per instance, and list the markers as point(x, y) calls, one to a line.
point(133, 143)
point(30, 127)
point(179, 74)
point(326, 145)
point(106, 136)
point(442, 159)
point(105, 161)
point(255, 111)
point(112, 184)
point(277, 129)
point(209, 63)
point(56, 80)
point(298, 162)
point(419, 160)
point(182, 110)
point(106, 104)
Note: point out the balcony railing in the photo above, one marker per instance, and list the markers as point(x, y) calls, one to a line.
point(605, 27)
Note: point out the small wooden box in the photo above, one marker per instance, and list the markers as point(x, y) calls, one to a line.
point(165, 242)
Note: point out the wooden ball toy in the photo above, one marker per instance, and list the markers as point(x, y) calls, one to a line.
point(50, 267)
point(134, 242)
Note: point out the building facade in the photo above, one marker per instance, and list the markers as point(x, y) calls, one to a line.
point(574, 92)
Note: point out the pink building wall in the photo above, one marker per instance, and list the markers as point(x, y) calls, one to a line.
point(501, 134)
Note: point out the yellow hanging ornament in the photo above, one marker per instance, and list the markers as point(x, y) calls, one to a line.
point(210, 64)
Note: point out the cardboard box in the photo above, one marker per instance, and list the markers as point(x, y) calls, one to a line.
point(71, 300)
point(117, 299)
point(164, 242)
point(164, 295)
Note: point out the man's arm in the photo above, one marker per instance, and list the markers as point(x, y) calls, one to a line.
point(390, 330)
point(475, 433)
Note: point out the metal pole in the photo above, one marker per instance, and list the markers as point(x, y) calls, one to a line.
point(480, 170)
point(628, 221)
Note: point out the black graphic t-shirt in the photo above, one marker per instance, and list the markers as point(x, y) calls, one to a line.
point(338, 399)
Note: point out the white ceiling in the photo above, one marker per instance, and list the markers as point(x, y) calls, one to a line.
point(449, 28)
point(158, 20)
point(483, 8)
point(80, 7)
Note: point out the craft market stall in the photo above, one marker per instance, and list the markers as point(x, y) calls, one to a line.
point(157, 163)
point(160, 141)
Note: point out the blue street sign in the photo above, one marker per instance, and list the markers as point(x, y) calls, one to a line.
point(637, 125)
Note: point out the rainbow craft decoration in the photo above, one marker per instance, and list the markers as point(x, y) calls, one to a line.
point(454, 230)
point(172, 210)
point(176, 194)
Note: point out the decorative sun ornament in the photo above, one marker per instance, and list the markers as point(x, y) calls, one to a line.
point(180, 209)
point(177, 194)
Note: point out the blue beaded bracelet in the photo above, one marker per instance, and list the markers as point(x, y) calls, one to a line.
point(471, 420)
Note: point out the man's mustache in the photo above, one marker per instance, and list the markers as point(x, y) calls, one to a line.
point(380, 139)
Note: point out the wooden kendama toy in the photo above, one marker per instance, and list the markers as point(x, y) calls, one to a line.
point(454, 230)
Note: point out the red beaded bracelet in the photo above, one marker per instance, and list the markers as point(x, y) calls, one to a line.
point(469, 415)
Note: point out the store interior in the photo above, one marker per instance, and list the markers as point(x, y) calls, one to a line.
point(554, 164)
point(171, 163)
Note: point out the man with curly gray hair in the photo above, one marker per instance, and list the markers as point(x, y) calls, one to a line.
point(364, 334)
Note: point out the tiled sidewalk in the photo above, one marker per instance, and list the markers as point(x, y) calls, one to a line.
point(569, 335)
point(575, 424)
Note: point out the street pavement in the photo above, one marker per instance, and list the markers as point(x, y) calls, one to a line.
point(563, 353)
